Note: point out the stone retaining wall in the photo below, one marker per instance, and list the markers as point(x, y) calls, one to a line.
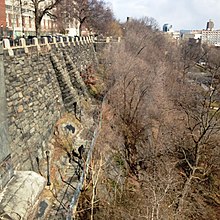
point(42, 82)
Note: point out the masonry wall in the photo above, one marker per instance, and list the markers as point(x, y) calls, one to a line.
point(41, 84)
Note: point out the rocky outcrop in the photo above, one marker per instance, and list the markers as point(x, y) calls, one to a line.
point(19, 197)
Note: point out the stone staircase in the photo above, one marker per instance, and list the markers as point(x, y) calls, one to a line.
point(69, 93)
point(74, 74)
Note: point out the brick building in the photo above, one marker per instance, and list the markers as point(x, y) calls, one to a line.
point(17, 19)
point(2, 17)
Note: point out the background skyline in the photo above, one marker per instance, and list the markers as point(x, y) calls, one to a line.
point(181, 14)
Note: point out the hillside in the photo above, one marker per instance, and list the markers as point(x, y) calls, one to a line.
point(157, 154)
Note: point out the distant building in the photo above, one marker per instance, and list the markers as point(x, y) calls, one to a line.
point(210, 25)
point(193, 34)
point(167, 28)
point(211, 37)
point(176, 35)
point(173, 36)
point(208, 36)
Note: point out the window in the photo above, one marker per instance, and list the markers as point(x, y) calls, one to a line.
point(23, 21)
point(9, 20)
point(29, 22)
point(8, 7)
point(17, 21)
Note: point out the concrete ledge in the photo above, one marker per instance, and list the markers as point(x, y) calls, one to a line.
point(20, 195)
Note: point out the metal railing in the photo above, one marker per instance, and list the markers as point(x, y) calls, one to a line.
point(73, 204)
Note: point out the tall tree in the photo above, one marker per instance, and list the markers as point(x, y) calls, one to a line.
point(101, 18)
point(191, 53)
point(93, 14)
point(161, 131)
point(41, 8)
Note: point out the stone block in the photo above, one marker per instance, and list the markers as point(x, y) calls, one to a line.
point(21, 194)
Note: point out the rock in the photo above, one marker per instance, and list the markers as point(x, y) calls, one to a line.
point(42, 208)
point(69, 127)
point(20, 95)
point(20, 108)
point(21, 194)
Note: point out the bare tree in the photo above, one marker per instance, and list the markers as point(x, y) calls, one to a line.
point(115, 29)
point(191, 53)
point(41, 8)
point(212, 64)
point(93, 14)
point(160, 134)
point(197, 148)
point(139, 103)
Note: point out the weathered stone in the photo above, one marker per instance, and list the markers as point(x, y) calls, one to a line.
point(14, 96)
point(20, 108)
point(26, 128)
point(21, 194)
point(10, 104)
point(32, 130)
point(42, 208)
point(30, 104)
point(20, 95)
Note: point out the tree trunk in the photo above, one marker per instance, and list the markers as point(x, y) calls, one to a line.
point(80, 28)
point(36, 26)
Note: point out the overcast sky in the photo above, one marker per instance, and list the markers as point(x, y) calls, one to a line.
point(182, 14)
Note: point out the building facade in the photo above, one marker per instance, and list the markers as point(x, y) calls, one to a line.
point(192, 34)
point(167, 28)
point(17, 19)
point(210, 25)
point(211, 37)
point(2, 17)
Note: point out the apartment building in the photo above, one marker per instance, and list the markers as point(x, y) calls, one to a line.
point(2, 17)
point(211, 37)
point(210, 25)
point(17, 19)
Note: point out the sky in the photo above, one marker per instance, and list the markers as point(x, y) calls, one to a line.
point(181, 14)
